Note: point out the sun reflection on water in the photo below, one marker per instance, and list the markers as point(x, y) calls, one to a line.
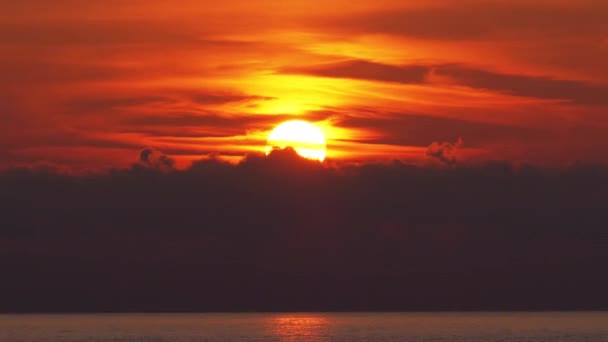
point(300, 327)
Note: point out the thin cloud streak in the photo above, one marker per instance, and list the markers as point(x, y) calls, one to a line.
point(517, 85)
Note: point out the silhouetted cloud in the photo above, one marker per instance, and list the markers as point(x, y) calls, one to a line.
point(156, 160)
point(444, 151)
point(261, 234)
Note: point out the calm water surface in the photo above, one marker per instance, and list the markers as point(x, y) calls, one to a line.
point(481, 327)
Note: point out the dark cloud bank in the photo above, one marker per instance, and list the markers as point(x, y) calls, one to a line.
point(282, 233)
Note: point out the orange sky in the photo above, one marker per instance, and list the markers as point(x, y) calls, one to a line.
point(87, 85)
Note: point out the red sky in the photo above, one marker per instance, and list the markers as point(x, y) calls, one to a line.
point(87, 85)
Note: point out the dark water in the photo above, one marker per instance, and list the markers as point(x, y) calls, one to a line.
point(503, 327)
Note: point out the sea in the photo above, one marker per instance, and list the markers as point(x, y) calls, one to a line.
point(314, 327)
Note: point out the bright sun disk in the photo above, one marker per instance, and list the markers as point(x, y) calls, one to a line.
point(305, 138)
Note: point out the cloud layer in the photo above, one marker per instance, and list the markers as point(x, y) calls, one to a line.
point(263, 234)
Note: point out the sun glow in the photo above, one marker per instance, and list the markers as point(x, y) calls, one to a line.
point(305, 138)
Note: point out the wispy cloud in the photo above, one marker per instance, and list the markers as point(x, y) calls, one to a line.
point(519, 85)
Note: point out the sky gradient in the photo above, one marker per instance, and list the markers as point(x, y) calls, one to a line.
point(88, 86)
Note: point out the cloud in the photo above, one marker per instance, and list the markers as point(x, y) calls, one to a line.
point(165, 97)
point(225, 233)
point(418, 129)
point(157, 160)
point(540, 87)
point(104, 104)
point(444, 151)
point(528, 86)
point(219, 98)
point(365, 70)
point(210, 124)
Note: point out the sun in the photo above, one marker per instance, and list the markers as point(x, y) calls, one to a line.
point(305, 138)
